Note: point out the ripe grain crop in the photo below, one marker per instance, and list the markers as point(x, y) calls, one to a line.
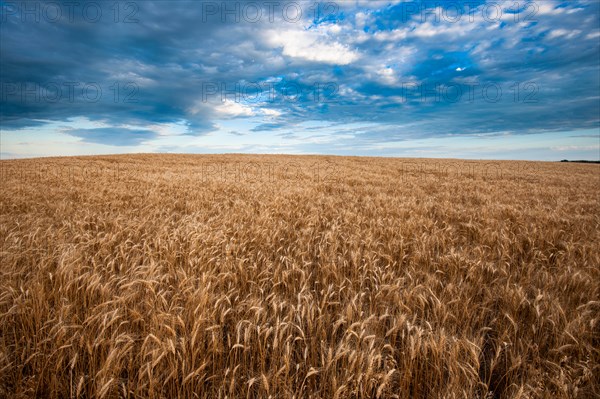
point(181, 276)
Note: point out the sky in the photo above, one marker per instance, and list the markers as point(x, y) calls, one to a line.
point(441, 79)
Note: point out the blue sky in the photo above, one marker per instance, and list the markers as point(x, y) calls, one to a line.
point(459, 79)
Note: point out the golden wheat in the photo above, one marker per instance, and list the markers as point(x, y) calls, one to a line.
point(164, 276)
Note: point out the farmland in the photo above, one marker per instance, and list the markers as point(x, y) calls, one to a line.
point(257, 276)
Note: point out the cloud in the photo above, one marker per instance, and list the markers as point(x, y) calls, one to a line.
point(593, 35)
point(271, 112)
point(269, 126)
point(112, 136)
point(548, 7)
point(563, 32)
point(314, 46)
point(230, 108)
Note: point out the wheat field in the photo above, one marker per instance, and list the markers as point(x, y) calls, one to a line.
point(240, 276)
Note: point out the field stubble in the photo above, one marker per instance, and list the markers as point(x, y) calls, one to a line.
point(186, 276)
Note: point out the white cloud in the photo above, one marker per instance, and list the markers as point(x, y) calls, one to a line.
point(546, 8)
point(593, 35)
point(391, 35)
point(574, 10)
point(388, 75)
point(569, 34)
point(313, 45)
point(448, 29)
point(233, 109)
point(361, 19)
point(271, 112)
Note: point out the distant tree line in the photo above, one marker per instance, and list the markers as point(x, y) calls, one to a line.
point(580, 161)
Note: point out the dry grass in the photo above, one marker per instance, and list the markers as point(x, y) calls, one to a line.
point(163, 276)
